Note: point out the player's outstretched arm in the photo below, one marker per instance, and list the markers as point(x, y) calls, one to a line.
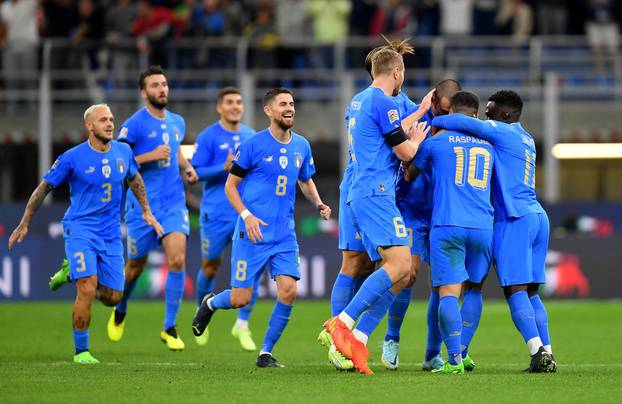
point(250, 222)
point(33, 205)
point(423, 109)
point(191, 175)
point(309, 190)
point(486, 130)
point(137, 186)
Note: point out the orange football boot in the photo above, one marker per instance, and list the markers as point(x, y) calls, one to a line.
point(348, 345)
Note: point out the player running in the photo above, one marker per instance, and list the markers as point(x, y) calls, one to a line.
point(155, 134)
point(521, 229)
point(270, 164)
point(378, 143)
point(462, 219)
point(212, 160)
point(96, 171)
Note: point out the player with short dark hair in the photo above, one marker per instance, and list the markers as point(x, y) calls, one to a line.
point(460, 244)
point(97, 171)
point(269, 164)
point(213, 158)
point(521, 229)
point(155, 135)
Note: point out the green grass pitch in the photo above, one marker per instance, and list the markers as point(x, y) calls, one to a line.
point(36, 352)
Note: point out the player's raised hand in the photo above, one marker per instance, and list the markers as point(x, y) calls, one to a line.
point(418, 132)
point(252, 228)
point(18, 234)
point(325, 211)
point(162, 152)
point(229, 161)
point(426, 102)
point(191, 175)
point(152, 221)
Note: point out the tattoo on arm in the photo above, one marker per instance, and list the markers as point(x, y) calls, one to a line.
point(35, 201)
point(138, 189)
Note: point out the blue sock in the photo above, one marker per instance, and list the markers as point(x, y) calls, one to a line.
point(205, 285)
point(371, 290)
point(434, 335)
point(222, 300)
point(374, 315)
point(342, 293)
point(397, 311)
point(471, 312)
point(450, 322)
point(523, 315)
point(127, 292)
point(278, 321)
point(81, 340)
point(244, 313)
point(542, 319)
point(173, 293)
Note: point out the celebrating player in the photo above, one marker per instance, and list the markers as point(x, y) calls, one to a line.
point(269, 164)
point(521, 229)
point(378, 141)
point(212, 160)
point(460, 244)
point(96, 171)
point(154, 134)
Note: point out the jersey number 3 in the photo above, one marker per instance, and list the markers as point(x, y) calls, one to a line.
point(477, 157)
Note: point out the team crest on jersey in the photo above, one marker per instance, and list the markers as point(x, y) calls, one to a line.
point(121, 165)
point(393, 115)
point(104, 161)
point(163, 126)
point(283, 162)
point(165, 137)
point(355, 105)
point(283, 150)
point(298, 158)
point(123, 133)
point(106, 171)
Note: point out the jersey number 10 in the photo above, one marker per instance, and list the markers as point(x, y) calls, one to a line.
point(474, 156)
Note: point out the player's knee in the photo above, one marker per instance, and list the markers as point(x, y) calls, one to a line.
point(472, 286)
point(532, 289)
point(512, 289)
point(287, 292)
point(110, 297)
point(239, 301)
point(87, 291)
point(133, 269)
point(177, 261)
point(210, 268)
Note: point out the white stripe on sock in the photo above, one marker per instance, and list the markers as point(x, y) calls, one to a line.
point(534, 345)
point(360, 335)
point(548, 349)
point(347, 320)
point(241, 324)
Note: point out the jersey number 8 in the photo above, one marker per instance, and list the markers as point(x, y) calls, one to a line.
point(281, 185)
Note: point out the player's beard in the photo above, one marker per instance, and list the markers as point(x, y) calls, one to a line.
point(100, 135)
point(153, 100)
point(283, 125)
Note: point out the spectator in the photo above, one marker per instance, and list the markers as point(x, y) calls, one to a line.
point(89, 32)
point(515, 18)
point(602, 30)
point(361, 16)
point(19, 48)
point(263, 38)
point(330, 26)
point(456, 17)
point(236, 17)
point(484, 12)
point(428, 17)
point(394, 18)
point(118, 23)
point(552, 17)
point(153, 27)
point(60, 20)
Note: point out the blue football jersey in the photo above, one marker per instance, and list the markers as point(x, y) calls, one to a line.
point(514, 179)
point(144, 132)
point(211, 149)
point(273, 169)
point(372, 116)
point(96, 186)
point(461, 168)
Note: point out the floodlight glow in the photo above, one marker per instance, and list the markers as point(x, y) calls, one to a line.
point(187, 150)
point(587, 151)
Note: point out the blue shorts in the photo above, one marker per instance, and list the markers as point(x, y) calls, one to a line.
point(520, 247)
point(215, 236)
point(101, 258)
point(349, 238)
point(419, 234)
point(379, 223)
point(141, 238)
point(249, 259)
point(459, 254)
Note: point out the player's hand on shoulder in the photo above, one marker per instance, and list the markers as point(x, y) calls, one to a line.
point(324, 210)
point(191, 175)
point(162, 152)
point(18, 234)
point(252, 228)
point(418, 132)
point(153, 222)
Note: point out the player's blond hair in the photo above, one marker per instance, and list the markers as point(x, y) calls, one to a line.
point(384, 61)
point(92, 108)
point(403, 47)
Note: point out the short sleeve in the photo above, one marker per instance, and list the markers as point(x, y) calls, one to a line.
point(307, 167)
point(202, 151)
point(244, 156)
point(387, 115)
point(129, 131)
point(60, 171)
point(423, 158)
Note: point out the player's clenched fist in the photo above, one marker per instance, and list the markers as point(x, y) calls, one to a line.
point(18, 235)
point(162, 152)
point(324, 211)
point(252, 228)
